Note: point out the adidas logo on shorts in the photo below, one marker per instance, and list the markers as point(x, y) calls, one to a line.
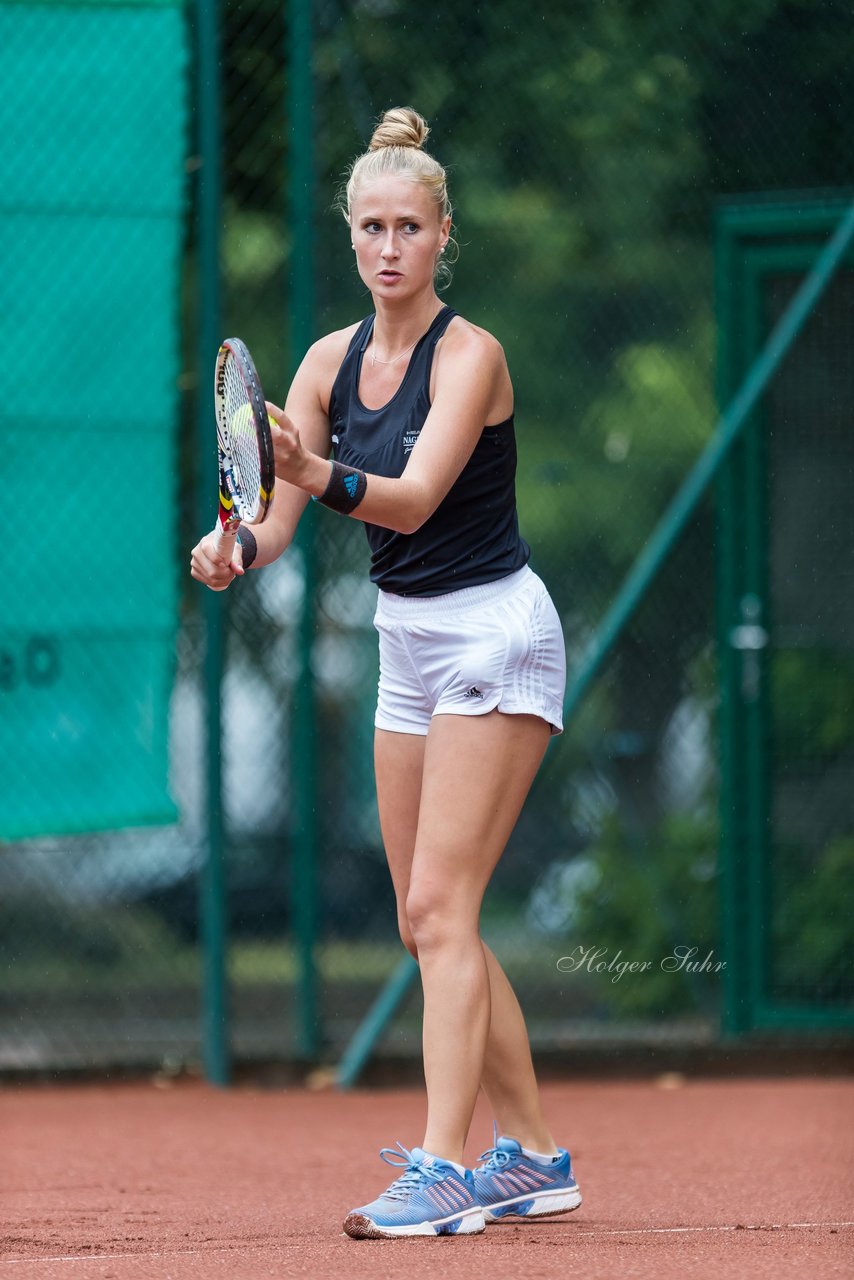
point(473, 692)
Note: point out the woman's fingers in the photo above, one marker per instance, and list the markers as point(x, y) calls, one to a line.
point(210, 568)
point(273, 411)
point(287, 447)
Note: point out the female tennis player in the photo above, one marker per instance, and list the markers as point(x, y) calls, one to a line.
point(415, 405)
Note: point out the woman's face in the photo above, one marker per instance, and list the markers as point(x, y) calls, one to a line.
point(397, 234)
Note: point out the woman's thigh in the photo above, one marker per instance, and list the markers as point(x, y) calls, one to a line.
point(398, 765)
point(476, 774)
point(449, 801)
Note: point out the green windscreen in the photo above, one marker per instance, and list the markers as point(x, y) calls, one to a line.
point(93, 120)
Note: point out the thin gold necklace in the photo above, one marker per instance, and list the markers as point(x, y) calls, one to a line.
point(399, 356)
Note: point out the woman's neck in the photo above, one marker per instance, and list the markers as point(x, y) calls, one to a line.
point(397, 327)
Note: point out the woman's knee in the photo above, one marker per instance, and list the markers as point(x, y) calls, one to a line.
point(434, 917)
point(406, 934)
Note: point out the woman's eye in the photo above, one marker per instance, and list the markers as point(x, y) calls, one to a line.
point(412, 226)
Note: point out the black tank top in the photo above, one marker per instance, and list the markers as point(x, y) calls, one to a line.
point(473, 535)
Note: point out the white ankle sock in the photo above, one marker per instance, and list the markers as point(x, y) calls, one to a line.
point(459, 1167)
point(539, 1158)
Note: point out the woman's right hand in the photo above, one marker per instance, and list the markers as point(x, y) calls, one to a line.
point(208, 567)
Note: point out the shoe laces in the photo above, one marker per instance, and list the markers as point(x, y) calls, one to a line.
point(494, 1157)
point(413, 1179)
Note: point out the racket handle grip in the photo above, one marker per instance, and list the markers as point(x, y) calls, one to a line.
point(224, 541)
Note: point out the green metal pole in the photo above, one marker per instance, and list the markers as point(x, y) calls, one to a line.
point(374, 1023)
point(215, 1032)
point(303, 738)
point(729, 575)
point(754, 701)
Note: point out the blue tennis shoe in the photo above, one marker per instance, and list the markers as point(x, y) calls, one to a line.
point(511, 1184)
point(430, 1198)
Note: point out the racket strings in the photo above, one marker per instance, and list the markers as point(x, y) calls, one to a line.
point(241, 442)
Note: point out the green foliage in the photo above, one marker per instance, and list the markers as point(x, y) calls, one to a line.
point(813, 705)
point(99, 947)
point(813, 909)
point(644, 900)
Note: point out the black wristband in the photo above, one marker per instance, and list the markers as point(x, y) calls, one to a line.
point(249, 546)
point(345, 490)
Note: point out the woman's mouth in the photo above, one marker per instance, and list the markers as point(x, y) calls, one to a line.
point(389, 275)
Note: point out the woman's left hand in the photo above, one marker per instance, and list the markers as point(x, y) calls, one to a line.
point(289, 456)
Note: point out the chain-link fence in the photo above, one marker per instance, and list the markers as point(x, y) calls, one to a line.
point(587, 146)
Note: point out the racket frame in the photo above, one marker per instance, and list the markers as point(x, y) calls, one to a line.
point(229, 518)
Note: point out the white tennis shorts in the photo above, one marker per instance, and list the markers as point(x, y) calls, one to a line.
point(468, 652)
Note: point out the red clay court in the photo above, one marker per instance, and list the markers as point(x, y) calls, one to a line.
point(702, 1178)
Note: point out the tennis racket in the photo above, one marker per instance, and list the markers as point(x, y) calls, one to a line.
point(244, 443)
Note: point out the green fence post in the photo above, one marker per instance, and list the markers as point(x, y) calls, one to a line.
point(215, 1031)
point(389, 998)
point(303, 737)
point(753, 672)
point(728, 574)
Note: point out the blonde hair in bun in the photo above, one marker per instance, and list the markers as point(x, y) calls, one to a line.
point(396, 149)
point(400, 127)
